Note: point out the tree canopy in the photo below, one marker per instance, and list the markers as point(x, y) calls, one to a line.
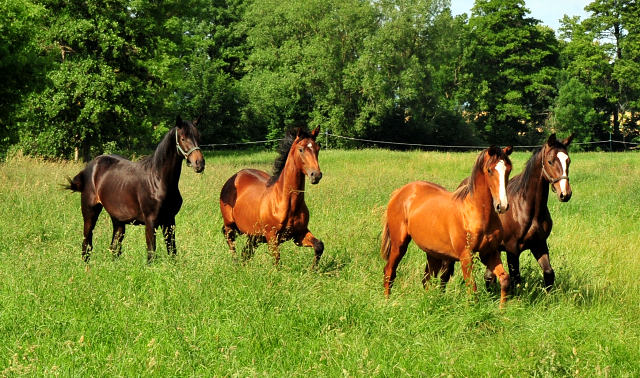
point(89, 76)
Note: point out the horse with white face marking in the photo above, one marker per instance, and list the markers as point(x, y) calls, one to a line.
point(528, 223)
point(451, 226)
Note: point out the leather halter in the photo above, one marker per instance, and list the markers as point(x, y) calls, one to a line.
point(550, 179)
point(185, 154)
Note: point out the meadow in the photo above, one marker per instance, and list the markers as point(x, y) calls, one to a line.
point(201, 314)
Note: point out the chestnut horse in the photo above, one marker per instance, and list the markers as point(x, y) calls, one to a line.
point(271, 208)
point(528, 223)
point(144, 192)
point(451, 226)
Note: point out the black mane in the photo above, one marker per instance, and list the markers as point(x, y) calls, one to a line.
point(283, 151)
point(159, 156)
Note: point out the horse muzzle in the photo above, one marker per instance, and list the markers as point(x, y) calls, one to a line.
point(563, 191)
point(197, 162)
point(314, 177)
point(501, 207)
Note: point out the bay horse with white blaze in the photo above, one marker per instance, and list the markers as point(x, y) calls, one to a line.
point(451, 226)
point(140, 193)
point(528, 223)
point(271, 208)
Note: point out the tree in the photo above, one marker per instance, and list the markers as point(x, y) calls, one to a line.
point(21, 66)
point(106, 76)
point(507, 74)
point(603, 53)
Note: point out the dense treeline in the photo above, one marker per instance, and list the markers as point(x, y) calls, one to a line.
point(96, 76)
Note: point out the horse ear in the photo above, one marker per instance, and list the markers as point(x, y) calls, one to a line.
point(552, 140)
point(300, 131)
point(508, 150)
point(493, 150)
point(197, 120)
point(568, 140)
point(179, 122)
point(315, 132)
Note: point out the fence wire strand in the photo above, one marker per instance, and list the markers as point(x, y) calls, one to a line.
point(405, 144)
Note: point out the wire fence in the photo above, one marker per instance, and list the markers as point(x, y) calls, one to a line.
point(326, 135)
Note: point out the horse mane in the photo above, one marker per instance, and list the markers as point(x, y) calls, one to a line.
point(520, 183)
point(155, 161)
point(467, 190)
point(283, 151)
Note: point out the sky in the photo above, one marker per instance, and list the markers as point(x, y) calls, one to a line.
point(548, 11)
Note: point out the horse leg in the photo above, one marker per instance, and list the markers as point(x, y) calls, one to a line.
point(150, 233)
point(230, 235)
point(308, 240)
point(513, 260)
point(446, 272)
point(432, 269)
point(494, 264)
point(90, 215)
point(541, 253)
point(398, 250)
point(169, 232)
point(249, 248)
point(466, 265)
point(118, 235)
point(273, 243)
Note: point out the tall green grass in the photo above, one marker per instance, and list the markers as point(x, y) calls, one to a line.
point(202, 315)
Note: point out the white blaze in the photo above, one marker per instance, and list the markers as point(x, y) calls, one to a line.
point(309, 145)
point(563, 160)
point(502, 168)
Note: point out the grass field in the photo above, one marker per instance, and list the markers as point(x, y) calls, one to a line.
point(202, 315)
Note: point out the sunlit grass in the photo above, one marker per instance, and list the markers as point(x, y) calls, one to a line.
point(202, 315)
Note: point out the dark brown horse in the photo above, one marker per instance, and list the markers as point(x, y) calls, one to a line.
point(271, 208)
point(451, 226)
point(528, 223)
point(144, 192)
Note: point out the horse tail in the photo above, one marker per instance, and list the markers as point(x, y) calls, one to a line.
point(385, 247)
point(76, 184)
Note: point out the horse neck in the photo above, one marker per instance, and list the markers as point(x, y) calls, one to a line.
point(479, 205)
point(290, 186)
point(167, 163)
point(536, 194)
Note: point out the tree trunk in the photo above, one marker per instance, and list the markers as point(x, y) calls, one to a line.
point(86, 149)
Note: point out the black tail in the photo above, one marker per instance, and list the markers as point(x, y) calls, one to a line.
point(76, 184)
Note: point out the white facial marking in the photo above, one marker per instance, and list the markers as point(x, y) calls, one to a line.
point(309, 145)
point(502, 168)
point(563, 160)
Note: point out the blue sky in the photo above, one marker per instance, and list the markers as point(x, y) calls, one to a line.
point(548, 11)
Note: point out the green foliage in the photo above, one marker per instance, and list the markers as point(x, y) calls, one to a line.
point(507, 72)
point(20, 65)
point(573, 112)
point(357, 68)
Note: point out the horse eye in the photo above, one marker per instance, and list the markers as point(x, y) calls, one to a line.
point(300, 149)
point(550, 162)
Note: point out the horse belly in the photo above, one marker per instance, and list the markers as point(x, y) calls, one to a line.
point(120, 199)
point(432, 226)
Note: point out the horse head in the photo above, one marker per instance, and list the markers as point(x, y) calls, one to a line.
point(555, 166)
point(497, 167)
point(305, 152)
point(187, 140)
